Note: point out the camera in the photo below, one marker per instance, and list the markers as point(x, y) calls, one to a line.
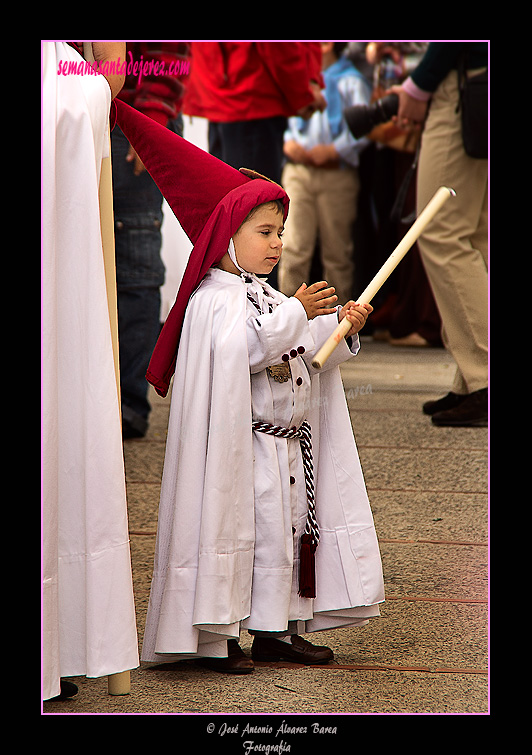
point(361, 119)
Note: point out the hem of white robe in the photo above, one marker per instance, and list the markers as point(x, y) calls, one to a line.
point(88, 642)
point(212, 639)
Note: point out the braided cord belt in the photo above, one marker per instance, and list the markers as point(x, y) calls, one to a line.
point(310, 540)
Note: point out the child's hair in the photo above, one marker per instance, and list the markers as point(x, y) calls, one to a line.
point(278, 203)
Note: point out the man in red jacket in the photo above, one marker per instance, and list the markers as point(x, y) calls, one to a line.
point(247, 90)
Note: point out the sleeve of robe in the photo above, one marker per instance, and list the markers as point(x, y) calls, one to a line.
point(287, 332)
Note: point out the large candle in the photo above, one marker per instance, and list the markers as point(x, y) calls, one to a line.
point(415, 231)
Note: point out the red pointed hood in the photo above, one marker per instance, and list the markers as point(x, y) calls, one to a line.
point(209, 198)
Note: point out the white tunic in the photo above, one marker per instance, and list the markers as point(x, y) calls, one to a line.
point(89, 626)
point(233, 502)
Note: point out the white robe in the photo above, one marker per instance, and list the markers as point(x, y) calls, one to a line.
point(233, 503)
point(88, 621)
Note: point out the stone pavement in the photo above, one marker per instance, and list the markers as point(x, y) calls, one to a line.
point(428, 653)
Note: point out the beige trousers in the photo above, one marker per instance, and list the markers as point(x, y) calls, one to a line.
point(454, 247)
point(323, 204)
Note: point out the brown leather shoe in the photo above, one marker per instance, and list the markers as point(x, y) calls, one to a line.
point(236, 662)
point(450, 401)
point(471, 412)
point(300, 651)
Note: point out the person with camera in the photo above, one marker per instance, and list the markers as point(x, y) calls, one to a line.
point(405, 311)
point(454, 248)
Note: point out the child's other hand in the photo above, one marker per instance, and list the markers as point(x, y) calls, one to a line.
point(295, 152)
point(321, 154)
point(357, 314)
point(317, 299)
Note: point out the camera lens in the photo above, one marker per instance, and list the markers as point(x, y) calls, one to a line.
point(361, 119)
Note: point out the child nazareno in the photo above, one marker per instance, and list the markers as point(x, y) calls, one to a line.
point(264, 522)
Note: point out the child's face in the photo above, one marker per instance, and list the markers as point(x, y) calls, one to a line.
point(258, 243)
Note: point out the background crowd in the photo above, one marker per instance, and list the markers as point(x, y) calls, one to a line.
point(277, 108)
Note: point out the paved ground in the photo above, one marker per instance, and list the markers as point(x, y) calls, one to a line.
point(427, 654)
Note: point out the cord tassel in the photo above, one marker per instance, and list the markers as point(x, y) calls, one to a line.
point(311, 537)
point(307, 567)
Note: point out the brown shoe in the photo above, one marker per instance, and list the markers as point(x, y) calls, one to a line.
point(471, 412)
point(300, 651)
point(450, 401)
point(235, 663)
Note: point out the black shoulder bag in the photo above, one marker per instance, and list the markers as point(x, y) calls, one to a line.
point(473, 105)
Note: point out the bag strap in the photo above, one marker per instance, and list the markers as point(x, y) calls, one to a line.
point(398, 205)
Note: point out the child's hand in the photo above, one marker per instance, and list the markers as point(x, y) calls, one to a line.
point(317, 299)
point(295, 152)
point(357, 314)
point(321, 154)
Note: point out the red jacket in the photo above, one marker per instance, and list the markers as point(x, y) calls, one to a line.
point(235, 81)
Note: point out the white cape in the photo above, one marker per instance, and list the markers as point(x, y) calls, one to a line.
point(221, 562)
point(88, 620)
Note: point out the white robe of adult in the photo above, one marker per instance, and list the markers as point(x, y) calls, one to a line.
point(88, 621)
point(233, 502)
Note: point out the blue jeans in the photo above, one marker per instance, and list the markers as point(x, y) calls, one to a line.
point(140, 274)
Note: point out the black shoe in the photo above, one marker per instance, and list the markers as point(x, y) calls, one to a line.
point(236, 662)
point(299, 651)
point(129, 431)
point(68, 690)
point(441, 405)
point(472, 412)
